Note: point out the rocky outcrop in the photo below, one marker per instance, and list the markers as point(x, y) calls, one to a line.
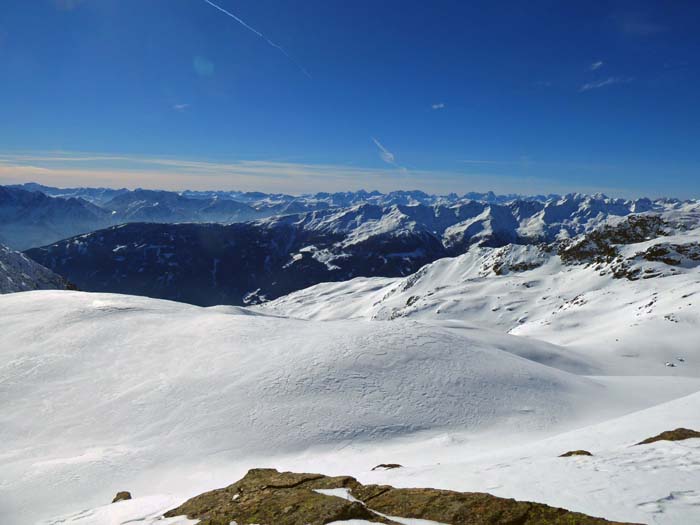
point(122, 496)
point(575, 453)
point(680, 434)
point(387, 466)
point(269, 497)
point(600, 245)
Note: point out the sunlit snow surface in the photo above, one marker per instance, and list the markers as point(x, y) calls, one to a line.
point(102, 393)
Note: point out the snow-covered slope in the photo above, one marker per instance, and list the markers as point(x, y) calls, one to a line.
point(106, 392)
point(631, 314)
point(654, 484)
point(475, 373)
point(18, 273)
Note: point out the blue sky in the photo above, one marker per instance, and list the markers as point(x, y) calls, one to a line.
point(441, 95)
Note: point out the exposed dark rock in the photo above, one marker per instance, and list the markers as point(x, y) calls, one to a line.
point(122, 496)
point(672, 254)
point(412, 300)
point(501, 268)
point(599, 246)
point(679, 434)
point(660, 253)
point(269, 497)
point(387, 466)
point(458, 508)
point(575, 453)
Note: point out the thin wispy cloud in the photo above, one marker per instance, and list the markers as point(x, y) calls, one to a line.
point(438, 106)
point(604, 83)
point(73, 169)
point(528, 162)
point(66, 169)
point(493, 162)
point(638, 24)
point(181, 107)
point(596, 65)
point(642, 28)
point(258, 33)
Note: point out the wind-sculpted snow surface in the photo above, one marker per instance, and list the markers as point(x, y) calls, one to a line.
point(119, 387)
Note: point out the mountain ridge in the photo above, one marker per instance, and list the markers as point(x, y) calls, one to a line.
point(30, 220)
point(251, 262)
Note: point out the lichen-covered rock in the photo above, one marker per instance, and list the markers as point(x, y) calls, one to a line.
point(122, 496)
point(269, 497)
point(679, 434)
point(458, 508)
point(575, 453)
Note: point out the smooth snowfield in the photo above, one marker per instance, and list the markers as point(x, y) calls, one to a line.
point(100, 389)
point(102, 393)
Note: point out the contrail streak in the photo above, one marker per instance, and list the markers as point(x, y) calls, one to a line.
point(258, 33)
point(387, 156)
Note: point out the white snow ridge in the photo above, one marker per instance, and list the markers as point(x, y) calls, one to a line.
point(475, 374)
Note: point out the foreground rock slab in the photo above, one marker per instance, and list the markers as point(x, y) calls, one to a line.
point(269, 497)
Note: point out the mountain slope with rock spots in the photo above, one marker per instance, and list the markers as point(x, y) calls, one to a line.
point(639, 319)
point(250, 263)
point(19, 273)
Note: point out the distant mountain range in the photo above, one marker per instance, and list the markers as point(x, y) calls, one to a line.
point(33, 215)
point(32, 218)
point(251, 262)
